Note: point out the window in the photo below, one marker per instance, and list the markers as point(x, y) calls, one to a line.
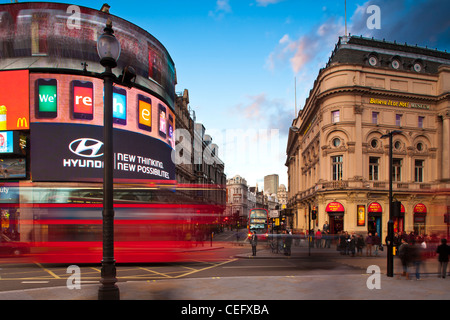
point(336, 142)
point(398, 120)
point(419, 146)
point(418, 170)
point(335, 116)
point(373, 168)
point(397, 169)
point(421, 120)
point(336, 163)
point(374, 143)
point(375, 117)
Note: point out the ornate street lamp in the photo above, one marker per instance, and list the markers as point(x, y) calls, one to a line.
point(390, 237)
point(108, 48)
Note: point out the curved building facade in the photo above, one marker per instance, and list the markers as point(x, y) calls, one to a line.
point(337, 154)
point(52, 96)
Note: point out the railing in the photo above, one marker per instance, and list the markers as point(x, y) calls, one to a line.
point(359, 184)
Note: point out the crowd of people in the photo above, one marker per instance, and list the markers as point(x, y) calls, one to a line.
point(410, 248)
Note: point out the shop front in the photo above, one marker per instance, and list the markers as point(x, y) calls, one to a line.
point(335, 211)
point(374, 219)
point(399, 222)
point(420, 215)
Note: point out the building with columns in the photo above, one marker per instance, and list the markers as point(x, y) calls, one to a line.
point(337, 158)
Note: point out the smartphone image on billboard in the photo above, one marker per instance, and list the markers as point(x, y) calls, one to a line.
point(145, 112)
point(119, 105)
point(170, 132)
point(82, 101)
point(162, 121)
point(46, 101)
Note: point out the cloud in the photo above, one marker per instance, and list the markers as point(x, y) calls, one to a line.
point(260, 111)
point(265, 3)
point(424, 23)
point(307, 48)
point(222, 8)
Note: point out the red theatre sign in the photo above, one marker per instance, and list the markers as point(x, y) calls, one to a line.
point(375, 207)
point(420, 208)
point(334, 207)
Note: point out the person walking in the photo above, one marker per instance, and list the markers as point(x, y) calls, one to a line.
point(352, 245)
point(376, 241)
point(416, 256)
point(318, 239)
point(360, 245)
point(443, 251)
point(404, 253)
point(287, 243)
point(254, 243)
point(369, 244)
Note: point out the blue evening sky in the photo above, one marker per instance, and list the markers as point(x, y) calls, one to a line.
point(239, 60)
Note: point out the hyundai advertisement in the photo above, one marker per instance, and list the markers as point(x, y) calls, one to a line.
point(66, 115)
point(74, 152)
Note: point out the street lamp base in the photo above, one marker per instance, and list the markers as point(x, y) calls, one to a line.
point(108, 292)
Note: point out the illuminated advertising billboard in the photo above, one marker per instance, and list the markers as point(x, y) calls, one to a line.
point(63, 32)
point(14, 100)
point(74, 152)
point(66, 114)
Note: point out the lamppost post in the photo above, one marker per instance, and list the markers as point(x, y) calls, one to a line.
point(390, 237)
point(109, 50)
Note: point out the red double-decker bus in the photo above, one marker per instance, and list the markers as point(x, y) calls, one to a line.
point(258, 222)
point(64, 225)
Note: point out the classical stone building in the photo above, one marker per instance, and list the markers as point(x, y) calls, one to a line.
point(338, 158)
point(200, 172)
point(237, 201)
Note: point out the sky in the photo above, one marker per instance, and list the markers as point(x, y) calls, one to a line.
point(246, 62)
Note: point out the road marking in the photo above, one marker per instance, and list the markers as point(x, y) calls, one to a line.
point(48, 271)
point(251, 267)
point(35, 281)
point(210, 267)
point(158, 273)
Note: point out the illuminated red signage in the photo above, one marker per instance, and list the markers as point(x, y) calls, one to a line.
point(334, 207)
point(14, 100)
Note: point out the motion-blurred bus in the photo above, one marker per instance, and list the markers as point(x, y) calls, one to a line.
point(64, 225)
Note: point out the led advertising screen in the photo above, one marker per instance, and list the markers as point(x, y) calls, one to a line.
point(75, 153)
point(66, 115)
point(14, 100)
point(65, 98)
point(6, 142)
point(58, 31)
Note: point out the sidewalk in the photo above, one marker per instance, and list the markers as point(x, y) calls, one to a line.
point(314, 285)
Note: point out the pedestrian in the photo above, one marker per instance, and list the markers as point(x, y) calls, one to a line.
point(254, 243)
point(326, 239)
point(287, 244)
point(318, 239)
point(352, 245)
point(360, 244)
point(443, 251)
point(326, 227)
point(404, 255)
point(376, 241)
point(369, 244)
point(416, 253)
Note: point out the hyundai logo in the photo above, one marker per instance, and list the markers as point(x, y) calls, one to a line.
point(86, 147)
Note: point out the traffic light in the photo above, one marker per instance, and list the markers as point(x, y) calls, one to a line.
point(314, 214)
point(396, 208)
